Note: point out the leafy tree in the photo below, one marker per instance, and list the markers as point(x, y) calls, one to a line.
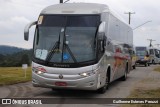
point(25, 59)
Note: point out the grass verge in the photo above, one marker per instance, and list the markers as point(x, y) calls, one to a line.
point(13, 75)
point(142, 93)
point(157, 69)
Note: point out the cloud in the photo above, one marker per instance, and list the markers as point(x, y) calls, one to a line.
point(13, 24)
point(15, 14)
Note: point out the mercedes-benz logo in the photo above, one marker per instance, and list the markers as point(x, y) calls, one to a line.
point(60, 76)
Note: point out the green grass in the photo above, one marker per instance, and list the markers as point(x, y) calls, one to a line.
point(157, 69)
point(142, 93)
point(13, 75)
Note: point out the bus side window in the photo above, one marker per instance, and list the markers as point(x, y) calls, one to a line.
point(156, 53)
point(118, 49)
point(133, 52)
point(110, 47)
point(151, 51)
point(147, 54)
point(126, 51)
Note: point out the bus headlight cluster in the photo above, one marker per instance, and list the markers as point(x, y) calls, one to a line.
point(39, 70)
point(89, 73)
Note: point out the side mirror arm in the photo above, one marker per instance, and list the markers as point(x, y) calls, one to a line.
point(26, 30)
point(101, 36)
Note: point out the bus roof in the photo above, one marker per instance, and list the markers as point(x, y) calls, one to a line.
point(75, 8)
point(80, 8)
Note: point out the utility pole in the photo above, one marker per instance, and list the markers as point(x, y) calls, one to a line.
point(151, 40)
point(61, 1)
point(129, 13)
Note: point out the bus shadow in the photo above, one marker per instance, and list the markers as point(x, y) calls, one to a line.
point(68, 93)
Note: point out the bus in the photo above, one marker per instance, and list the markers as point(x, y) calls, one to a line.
point(155, 55)
point(130, 50)
point(159, 55)
point(143, 56)
point(79, 46)
point(133, 57)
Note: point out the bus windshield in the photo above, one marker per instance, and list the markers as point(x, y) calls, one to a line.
point(66, 39)
point(141, 51)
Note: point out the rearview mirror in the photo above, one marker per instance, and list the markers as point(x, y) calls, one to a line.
point(102, 41)
point(26, 30)
point(102, 27)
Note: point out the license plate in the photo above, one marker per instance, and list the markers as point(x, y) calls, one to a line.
point(60, 83)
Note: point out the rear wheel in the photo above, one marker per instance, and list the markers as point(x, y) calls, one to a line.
point(153, 62)
point(124, 77)
point(134, 66)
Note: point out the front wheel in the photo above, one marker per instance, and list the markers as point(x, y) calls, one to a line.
point(105, 87)
point(146, 64)
point(102, 90)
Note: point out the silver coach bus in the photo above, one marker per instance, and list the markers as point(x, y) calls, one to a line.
point(154, 55)
point(79, 46)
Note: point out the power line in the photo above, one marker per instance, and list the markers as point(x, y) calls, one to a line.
point(142, 24)
point(129, 13)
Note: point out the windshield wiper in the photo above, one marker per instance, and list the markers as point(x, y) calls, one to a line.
point(56, 46)
point(70, 52)
point(67, 47)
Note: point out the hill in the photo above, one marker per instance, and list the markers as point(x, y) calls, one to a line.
point(14, 57)
point(9, 49)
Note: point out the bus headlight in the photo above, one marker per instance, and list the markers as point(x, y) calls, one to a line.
point(39, 70)
point(89, 73)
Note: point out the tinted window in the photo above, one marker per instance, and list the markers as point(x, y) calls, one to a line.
point(71, 21)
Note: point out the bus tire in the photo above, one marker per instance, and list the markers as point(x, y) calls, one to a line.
point(146, 64)
point(134, 66)
point(103, 89)
point(153, 62)
point(124, 77)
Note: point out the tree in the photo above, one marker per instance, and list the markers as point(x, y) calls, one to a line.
point(25, 59)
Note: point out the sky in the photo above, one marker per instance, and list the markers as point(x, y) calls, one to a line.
point(15, 14)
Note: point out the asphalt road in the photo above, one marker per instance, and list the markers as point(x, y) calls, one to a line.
point(118, 89)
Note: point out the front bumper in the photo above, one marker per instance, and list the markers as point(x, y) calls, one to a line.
point(142, 61)
point(85, 83)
